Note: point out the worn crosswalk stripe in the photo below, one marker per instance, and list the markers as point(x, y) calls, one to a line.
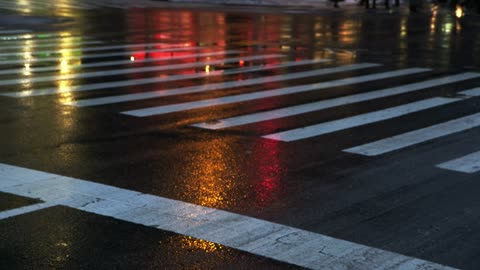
point(151, 80)
point(417, 136)
point(98, 55)
point(19, 31)
point(331, 103)
point(270, 93)
point(224, 85)
point(358, 120)
point(258, 237)
point(466, 164)
point(136, 46)
point(105, 73)
point(129, 61)
point(25, 209)
point(72, 44)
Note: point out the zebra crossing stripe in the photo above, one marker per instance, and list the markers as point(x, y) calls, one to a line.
point(417, 136)
point(124, 62)
point(48, 45)
point(25, 210)
point(105, 73)
point(330, 103)
point(270, 93)
point(19, 31)
point(467, 164)
point(98, 55)
point(475, 92)
point(358, 120)
point(138, 46)
point(225, 85)
point(256, 236)
point(91, 87)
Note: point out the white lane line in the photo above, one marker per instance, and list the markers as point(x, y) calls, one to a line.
point(19, 31)
point(123, 62)
point(417, 136)
point(475, 92)
point(466, 164)
point(98, 55)
point(218, 86)
point(330, 103)
point(50, 45)
point(358, 120)
point(136, 82)
point(270, 93)
point(258, 237)
point(136, 46)
point(105, 73)
point(25, 210)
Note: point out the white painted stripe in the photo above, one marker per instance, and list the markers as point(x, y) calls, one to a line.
point(49, 45)
point(25, 210)
point(91, 87)
point(124, 62)
point(467, 164)
point(475, 92)
point(215, 86)
point(271, 93)
point(105, 73)
point(358, 120)
point(97, 55)
point(258, 237)
point(137, 47)
point(417, 136)
point(331, 103)
point(6, 32)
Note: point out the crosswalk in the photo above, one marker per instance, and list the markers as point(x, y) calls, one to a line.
point(213, 77)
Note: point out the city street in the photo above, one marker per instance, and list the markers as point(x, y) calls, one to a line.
point(154, 135)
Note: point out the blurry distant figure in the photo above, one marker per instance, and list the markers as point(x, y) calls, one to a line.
point(335, 3)
point(374, 3)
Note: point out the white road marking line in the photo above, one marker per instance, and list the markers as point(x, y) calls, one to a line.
point(97, 55)
point(466, 164)
point(105, 73)
point(330, 103)
point(124, 62)
point(475, 92)
point(136, 46)
point(151, 80)
point(258, 237)
point(270, 93)
point(25, 210)
point(208, 87)
point(417, 136)
point(19, 31)
point(49, 45)
point(358, 120)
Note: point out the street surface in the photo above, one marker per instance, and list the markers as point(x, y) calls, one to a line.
point(150, 135)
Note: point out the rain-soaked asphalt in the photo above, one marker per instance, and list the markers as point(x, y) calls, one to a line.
point(265, 114)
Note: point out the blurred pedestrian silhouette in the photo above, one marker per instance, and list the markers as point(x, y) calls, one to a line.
point(374, 3)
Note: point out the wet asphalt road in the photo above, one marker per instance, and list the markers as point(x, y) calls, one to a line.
point(399, 201)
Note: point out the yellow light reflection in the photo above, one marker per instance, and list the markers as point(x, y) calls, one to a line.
point(207, 68)
point(25, 6)
point(190, 243)
point(210, 181)
point(403, 27)
point(459, 12)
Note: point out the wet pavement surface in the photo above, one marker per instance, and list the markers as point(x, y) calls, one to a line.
point(342, 123)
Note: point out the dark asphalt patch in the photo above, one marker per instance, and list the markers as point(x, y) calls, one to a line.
point(63, 238)
point(9, 201)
